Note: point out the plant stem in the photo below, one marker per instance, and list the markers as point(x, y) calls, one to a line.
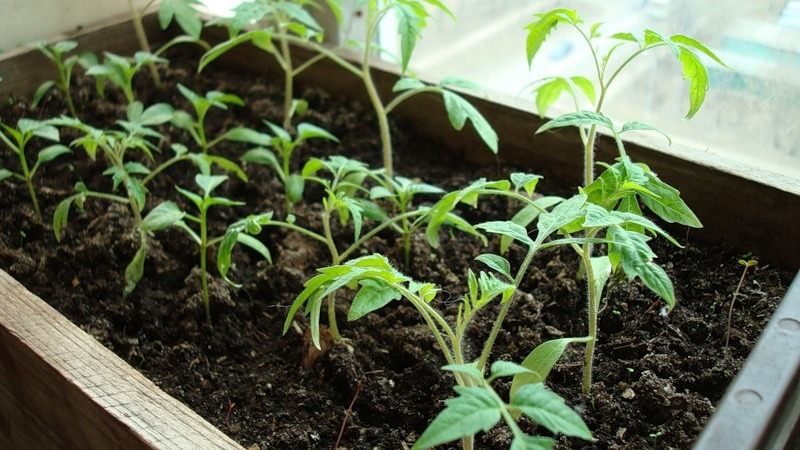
point(335, 259)
point(487, 347)
point(288, 86)
point(588, 361)
point(203, 252)
point(143, 42)
point(29, 183)
point(747, 265)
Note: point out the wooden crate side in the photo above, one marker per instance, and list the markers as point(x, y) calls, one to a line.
point(24, 69)
point(59, 388)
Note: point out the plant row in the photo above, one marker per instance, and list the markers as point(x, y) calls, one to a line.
point(605, 222)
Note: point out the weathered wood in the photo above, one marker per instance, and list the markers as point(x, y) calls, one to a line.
point(61, 389)
point(25, 69)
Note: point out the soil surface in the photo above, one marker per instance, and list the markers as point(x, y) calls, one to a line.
point(657, 376)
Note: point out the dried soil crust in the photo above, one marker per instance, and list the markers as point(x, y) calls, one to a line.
point(657, 376)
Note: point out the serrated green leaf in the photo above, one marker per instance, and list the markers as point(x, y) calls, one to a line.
point(695, 44)
point(639, 126)
point(507, 228)
point(667, 204)
point(636, 259)
point(549, 410)
point(564, 213)
point(474, 410)
point(695, 72)
point(525, 181)
point(527, 215)
point(459, 110)
point(164, 215)
point(539, 30)
point(372, 296)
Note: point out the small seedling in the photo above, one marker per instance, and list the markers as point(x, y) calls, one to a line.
point(55, 53)
point(114, 144)
point(184, 12)
point(169, 214)
point(412, 16)
point(17, 139)
point(196, 126)
point(119, 70)
point(400, 192)
point(285, 146)
point(284, 19)
point(747, 264)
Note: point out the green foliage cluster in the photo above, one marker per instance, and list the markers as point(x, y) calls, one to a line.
point(604, 222)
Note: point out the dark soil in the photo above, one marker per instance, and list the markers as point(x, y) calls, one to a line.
point(657, 376)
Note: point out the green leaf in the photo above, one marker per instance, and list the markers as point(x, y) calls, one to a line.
point(241, 134)
point(585, 85)
point(502, 369)
point(466, 369)
point(50, 153)
point(138, 191)
point(164, 215)
point(157, 114)
point(224, 254)
point(264, 157)
point(686, 41)
point(183, 12)
point(295, 185)
point(695, 72)
point(5, 173)
point(526, 442)
point(666, 202)
point(549, 410)
point(255, 245)
point(575, 119)
point(308, 131)
point(636, 259)
point(475, 409)
point(459, 110)
point(409, 24)
point(564, 213)
point(527, 215)
point(37, 97)
point(262, 37)
point(652, 38)
point(372, 296)
point(525, 181)
point(631, 126)
point(407, 83)
point(539, 30)
point(135, 270)
point(61, 214)
point(540, 362)
point(496, 263)
point(507, 228)
point(601, 268)
point(209, 182)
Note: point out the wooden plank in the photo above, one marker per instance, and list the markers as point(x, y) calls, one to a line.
point(24, 69)
point(61, 389)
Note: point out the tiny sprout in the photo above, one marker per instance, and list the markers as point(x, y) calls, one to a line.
point(17, 140)
point(55, 53)
point(119, 70)
point(747, 264)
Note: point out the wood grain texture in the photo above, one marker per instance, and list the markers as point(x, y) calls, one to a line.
point(61, 389)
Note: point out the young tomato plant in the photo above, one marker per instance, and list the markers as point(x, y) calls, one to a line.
point(184, 12)
point(169, 214)
point(196, 126)
point(131, 175)
point(55, 53)
point(285, 146)
point(17, 139)
point(478, 407)
point(412, 16)
point(119, 70)
point(286, 19)
point(617, 192)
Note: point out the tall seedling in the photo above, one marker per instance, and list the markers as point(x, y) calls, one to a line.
point(412, 16)
point(617, 192)
point(283, 20)
point(64, 66)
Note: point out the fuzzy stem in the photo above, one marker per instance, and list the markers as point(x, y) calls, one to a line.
point(592, 318)
point(143, 42)
point(203, 262)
